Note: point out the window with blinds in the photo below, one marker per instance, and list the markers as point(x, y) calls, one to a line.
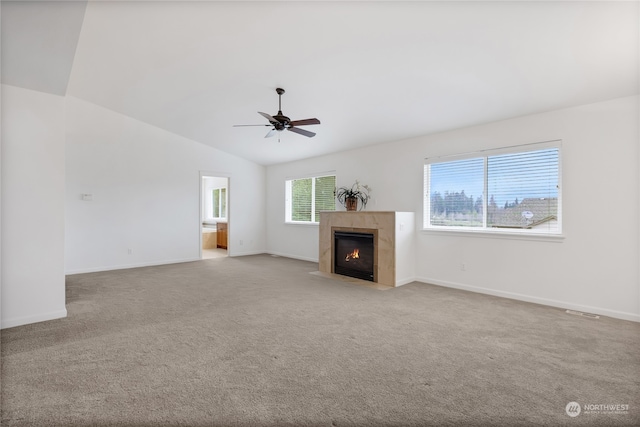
point(515, 189)
point(306, 197)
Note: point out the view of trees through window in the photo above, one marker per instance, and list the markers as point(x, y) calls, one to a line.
point(523, 189)
point(455, 208)
point(309, 196)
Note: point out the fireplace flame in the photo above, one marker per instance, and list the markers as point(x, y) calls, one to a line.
point(353, 255)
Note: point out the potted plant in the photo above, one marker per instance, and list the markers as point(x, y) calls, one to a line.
point(349, 196)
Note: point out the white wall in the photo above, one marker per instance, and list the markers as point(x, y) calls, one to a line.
point(32, 218)
point(594, 268)
point(145, 184)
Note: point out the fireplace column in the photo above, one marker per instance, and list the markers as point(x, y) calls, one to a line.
point(394, 255)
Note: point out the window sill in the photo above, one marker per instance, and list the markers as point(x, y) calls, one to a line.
point(556, 238)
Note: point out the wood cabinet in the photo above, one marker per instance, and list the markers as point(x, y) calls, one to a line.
point(222, 235)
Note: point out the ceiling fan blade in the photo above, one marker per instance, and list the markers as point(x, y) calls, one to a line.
point(237, 126)
point(280, 122)
point(268, 117)
point(304, 122)
point(302, 132)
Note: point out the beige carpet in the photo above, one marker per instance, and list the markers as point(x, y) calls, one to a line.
point(259, 341)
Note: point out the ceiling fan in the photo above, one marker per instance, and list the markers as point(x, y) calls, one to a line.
point(280, 122)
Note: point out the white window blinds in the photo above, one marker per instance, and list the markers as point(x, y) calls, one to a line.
point(306, 197)
point(455, 191)
point(301, 199)
point(324, 195)
point(514, 189)
point(523, 190)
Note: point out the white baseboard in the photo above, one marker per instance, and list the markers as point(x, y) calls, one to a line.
point(293, 256)
point(126, 266)
point(152, 264)
point(42, 317)
point(247, 253)
point(536, 300)
point(400, 282)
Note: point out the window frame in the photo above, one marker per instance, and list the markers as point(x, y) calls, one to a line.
point(288, 196)
point(222, 203)
point(485, 230)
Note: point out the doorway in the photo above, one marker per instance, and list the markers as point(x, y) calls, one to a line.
point(214, 216)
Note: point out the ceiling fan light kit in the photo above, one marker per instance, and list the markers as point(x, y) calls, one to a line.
point(280, 122)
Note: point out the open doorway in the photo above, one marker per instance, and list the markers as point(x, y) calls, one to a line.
point(214, 216)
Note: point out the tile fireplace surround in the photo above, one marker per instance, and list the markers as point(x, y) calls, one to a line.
point(393, 232)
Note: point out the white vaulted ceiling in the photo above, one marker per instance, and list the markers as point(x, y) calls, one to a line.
point(372, 72)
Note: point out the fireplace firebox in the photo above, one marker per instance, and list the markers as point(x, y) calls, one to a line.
point(354, 255)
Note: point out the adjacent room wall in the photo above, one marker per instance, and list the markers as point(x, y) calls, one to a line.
point(32, 218)
point(144, 184)
point(594, 268)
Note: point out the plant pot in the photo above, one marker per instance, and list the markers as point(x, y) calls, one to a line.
point(351, 203)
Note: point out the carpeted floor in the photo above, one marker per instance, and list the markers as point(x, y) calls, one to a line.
point(258, 341)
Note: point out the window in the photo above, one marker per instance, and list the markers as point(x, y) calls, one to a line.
point(219, 201)
point(515, 189)
point(306, 197)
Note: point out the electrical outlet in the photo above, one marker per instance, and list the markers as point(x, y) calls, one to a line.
point(129, 251)
point(463, 267)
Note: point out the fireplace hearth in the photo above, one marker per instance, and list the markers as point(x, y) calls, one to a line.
point(354, 255)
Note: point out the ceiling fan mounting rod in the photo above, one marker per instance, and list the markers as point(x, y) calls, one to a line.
point(280, 91)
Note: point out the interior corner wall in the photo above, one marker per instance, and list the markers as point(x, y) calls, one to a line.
point(594, 268)
point(32, 217)
point(144, 184)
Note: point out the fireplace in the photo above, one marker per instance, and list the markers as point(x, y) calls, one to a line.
point(354, 254)
point(393, 245)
